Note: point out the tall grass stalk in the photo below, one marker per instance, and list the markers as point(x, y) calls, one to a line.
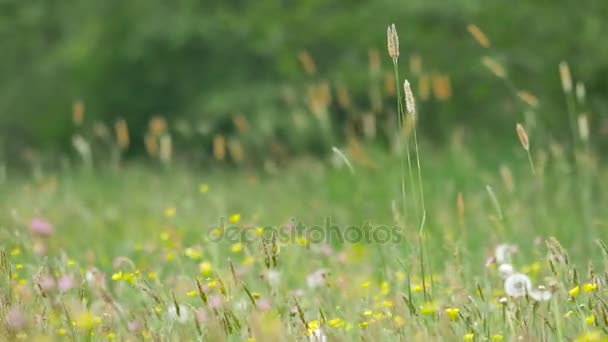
point(393, 51)
point(410, 105)
point(411, 110)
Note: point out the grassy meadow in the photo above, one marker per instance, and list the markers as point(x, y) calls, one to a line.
point(510, 248)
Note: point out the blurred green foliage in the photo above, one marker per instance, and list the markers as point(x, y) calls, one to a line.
point(200, 63)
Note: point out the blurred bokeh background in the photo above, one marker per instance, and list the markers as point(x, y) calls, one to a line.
point(248, 81)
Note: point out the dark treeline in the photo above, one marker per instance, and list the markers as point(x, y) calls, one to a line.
point(288, 77)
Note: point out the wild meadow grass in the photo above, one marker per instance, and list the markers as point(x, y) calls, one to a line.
point(474, 243)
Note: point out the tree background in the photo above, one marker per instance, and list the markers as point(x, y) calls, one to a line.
point(201, 63)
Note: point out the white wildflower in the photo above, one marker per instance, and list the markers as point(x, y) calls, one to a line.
point(318, 336)
point(317, 278)
point(518, 285)
point(540, 295)
point(183, 315)
point(503, 253)
point(506, 270)
point(274, 278)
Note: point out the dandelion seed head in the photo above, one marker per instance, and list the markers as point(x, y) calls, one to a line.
point(317, 278)
point(506, 270)
point(503, 253)
point(540, 295)
point(518, 285)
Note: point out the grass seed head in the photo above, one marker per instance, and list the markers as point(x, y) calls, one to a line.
point(392, 40)
point(528, 98)
point(580, 92)
point(308, 63)
point(566, 78)
point(494, 67)
point(523, 136)
point(410, 104)
point(122, 133)
point(78, 113)
point(478, 35)
point(583, 127)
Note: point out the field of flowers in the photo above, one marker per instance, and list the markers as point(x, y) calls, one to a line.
point(311, 253)
point(473, 243)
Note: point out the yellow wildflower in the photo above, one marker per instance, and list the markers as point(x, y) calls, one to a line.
point(205, 268)
point(589, 287)
point(312, 326)
point(336, 323)
point(453, 313)
point(192, 253)
point(237, 247)
point(248, 260)
point(191, 293)
point(574, 291)
point(417, 288)
point(164, 236)
point(385, 288)
point(590, 319)
point(203, 188)
point(218, 231)
point(170, 212)
point(497, 337)
point(378, 316)
point(590, 336)
point(428, 308)
point(129, 277)
point(468, 337)
point(234, 218)
point(117, 276)
point(87, 321)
